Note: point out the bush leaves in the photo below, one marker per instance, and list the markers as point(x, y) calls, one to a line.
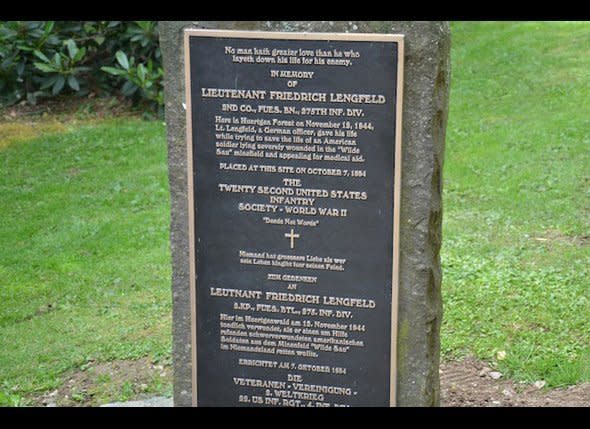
point(73, 83)
point(122, 59)
point(47, 58)
point(58, 85)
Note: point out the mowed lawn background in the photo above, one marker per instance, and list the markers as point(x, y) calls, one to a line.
point(84, 223)
point(516, 235)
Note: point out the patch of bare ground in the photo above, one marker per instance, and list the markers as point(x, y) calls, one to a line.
point(90, 107)
point(99, 383)
point(24, 121)
point(465, 383)
point(471, 383)
point(555, 236)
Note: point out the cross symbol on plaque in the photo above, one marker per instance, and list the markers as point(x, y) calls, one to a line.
point(292, 236)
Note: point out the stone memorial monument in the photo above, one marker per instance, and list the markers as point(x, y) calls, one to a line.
point(305, 163)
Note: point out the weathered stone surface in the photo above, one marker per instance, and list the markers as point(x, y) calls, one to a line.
point(425, 107)
point(158, 401)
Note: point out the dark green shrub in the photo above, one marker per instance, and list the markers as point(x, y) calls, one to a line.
point(47, 58)
point(142, 80)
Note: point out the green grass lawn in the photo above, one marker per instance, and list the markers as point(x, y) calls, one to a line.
point(84, 253)
point(516, 252)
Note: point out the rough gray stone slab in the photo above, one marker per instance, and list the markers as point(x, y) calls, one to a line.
point(425, 109)
point(158, 401)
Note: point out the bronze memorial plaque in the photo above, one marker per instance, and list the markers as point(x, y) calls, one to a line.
point(294, 147)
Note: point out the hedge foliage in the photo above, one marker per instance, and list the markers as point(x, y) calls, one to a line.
point(46, 58)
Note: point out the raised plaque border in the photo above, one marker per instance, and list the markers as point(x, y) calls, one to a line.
point(367, 37)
